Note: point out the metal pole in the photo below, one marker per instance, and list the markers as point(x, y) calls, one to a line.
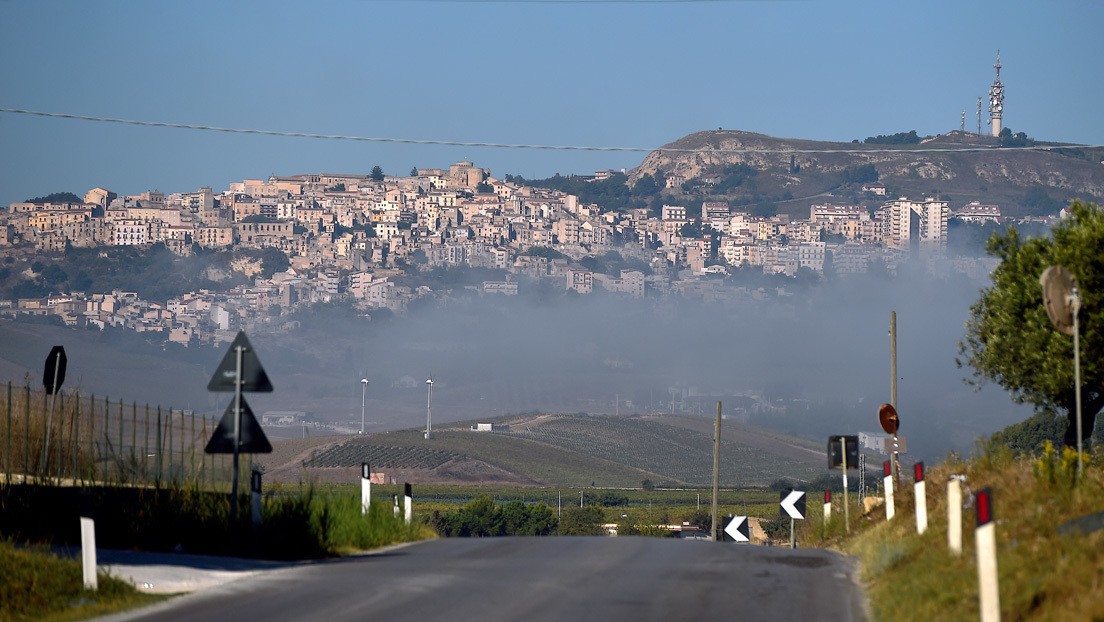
point(716, 472)
point(1076, 300)
point(363, 391)
point(846, 508)
point(429, 412)
point(157, 450)
point(893, 386)
point(237, 435)
point(48, 416)
point(26, 432)
point(7, 469)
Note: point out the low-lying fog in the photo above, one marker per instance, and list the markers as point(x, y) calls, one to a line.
point(812, 364)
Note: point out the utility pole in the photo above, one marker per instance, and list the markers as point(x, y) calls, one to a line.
point(716, 471)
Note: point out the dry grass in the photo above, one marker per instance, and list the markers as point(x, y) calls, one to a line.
point(1043, 575)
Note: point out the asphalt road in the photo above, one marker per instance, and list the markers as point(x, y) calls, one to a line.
point(532, 579)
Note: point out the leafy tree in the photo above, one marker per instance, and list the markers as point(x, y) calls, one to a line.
point(484, 187)
point(376, 174)
point(1029, 435)
point(1019, 139)
point(582, 521)
point(692, 229)
point(645, 186)
point(1009, 338)
point(273, 260)
point(900, 138)
point(414, 171)
point(860, 174)
point(544, 251)
point(57, 197)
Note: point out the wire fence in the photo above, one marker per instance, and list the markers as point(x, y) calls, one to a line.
point(74, 439)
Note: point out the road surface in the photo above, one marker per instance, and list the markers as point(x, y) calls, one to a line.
point(619, 579)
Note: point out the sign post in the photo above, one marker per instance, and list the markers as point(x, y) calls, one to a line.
point(846, 457)
point(52, 377)
point(239, 371)
point(792, 504)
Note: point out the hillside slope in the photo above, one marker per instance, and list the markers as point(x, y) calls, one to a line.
point(990, 175)
point(556, 450)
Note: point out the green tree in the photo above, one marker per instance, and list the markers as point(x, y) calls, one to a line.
point(582, 521)
point(414, 171)
point(57, 197)
point(484, 187)
point(377, 173)
point(1009, 338)
point(273, 260)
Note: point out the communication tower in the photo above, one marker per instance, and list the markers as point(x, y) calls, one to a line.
point(979, 117)
point(996, 100)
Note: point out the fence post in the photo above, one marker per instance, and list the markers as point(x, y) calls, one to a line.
point(7, 470)
point(157, 479)
point(145, 456)
point(60, 397)
point(76, 436)
point(26, 432)
point(134, 438)
point(119, 448)
point(43, 458)
point(169, 445)
point(191, 457)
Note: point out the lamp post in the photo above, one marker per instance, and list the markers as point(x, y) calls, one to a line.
point(429, 412)
point(363, 391)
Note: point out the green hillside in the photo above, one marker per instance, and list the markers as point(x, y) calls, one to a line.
point(580, 450)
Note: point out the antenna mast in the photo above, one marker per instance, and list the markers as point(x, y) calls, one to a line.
point(979, 116)
point(996, 100)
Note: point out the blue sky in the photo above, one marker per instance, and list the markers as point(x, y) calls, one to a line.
point(603, 74)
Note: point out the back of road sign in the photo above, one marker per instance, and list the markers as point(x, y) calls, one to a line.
point(254, 379)
point(835, 454)
point(253, 439)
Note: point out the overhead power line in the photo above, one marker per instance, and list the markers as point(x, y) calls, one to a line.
point(455, 143)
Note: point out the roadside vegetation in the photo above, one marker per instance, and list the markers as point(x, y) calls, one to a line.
point(1049, 567)
point(40, 585)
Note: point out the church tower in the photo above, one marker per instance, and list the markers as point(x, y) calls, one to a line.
point(996, 100)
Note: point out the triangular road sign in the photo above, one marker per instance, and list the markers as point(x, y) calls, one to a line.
point(252, 437)
point(737, 529)
point(792, 503)
point(254, 378)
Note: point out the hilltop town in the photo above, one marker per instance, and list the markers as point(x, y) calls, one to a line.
point(353, 237)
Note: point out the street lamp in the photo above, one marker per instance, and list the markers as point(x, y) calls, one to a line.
point(363, 391)
point(429, 413)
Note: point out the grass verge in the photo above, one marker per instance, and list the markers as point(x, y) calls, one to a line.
point(39, 585)
point(1044, 574)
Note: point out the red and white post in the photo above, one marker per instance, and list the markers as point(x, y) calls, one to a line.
point(408, 504)
point(921, 500)
point(888, 485)
point(365, 488)
point(985, 537)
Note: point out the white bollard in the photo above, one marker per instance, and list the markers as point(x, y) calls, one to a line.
point(921, 500)
point(888, 484)
point(88, 553)
point(827, 505)
point(985, 537)
point(954, 515)
point(365, 488)
point(408, 509)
